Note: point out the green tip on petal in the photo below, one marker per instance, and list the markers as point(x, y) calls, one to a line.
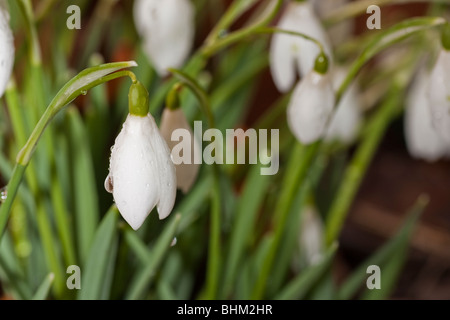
point(321, 64)
point(445, 37)
point(138, 100)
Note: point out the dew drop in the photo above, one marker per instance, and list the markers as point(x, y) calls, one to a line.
point(3, 194)
point(84, 92)
point(174, 242)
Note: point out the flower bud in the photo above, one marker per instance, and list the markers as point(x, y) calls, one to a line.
point(6, 48)
point(311, 106)
point(167, 29)
point(438, 93)
point(347, 118)
point(311, 236)
point(186, 168)
point(141, 172)
point(422, 139)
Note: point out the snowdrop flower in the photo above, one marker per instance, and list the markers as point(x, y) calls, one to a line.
point(341, 31)
point(311, 236)
point(141, 173)
point(290, 54)
point(347, 117)
point(422, 139)
point(439, 95)
point(174, 127)
point(6, 48)
point(167, 28)
point(311, 104)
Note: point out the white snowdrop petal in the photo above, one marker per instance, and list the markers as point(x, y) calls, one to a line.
point(172, 120)
point(422, 139)
point(142, 175)
point(290, 54)
point(439, 95)
point(347, 118)
point(6, 49)
point(282, 61)
point(311, 236)
point(167, 28)
point(310, 107)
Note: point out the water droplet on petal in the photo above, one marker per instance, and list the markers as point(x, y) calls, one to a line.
point(83, 92)
point(174, 242)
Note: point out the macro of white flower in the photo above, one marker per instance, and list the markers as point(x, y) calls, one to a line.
point(186, 171)
point(422, 139)
point(438, 92)
point(141, 172)
point(311, 106)
point(338, 32)
point(291, 54)
point(311, 236)
point(6, 48)
point(167, 29)
point(347, 118)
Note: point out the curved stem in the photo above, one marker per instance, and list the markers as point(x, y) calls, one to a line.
point(84, 81)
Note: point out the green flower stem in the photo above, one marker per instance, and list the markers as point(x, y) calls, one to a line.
point(356, 169)
point(213, 265)
point(84, 81)
point(199, 93)
point(393, 35)
point(35, 48)
point(356, 8)
point(214, 249)
point(296, 172)
point(251, 31)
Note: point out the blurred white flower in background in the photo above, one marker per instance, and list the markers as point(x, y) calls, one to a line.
point(341, 31)
point(6, 48)
point(167, 29)
point(422, 139)
point(347, 118)
point(172, 120)
point(311, 236)
point(438, 93)
point(291, 54)
point(311, 106)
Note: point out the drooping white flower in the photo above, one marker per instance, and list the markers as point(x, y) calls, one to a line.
point(167, 28)
point(311, 236)
point(439, 95)
point(141, 172)
point(347, 118)
point(422, 139)
point(310, 107)
point(340, 31)
point(6, 48)
point(179, 137)
point(291, 54)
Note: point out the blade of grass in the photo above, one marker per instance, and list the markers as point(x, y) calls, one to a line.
point(84, 184)
point(256, 186)
point(144, 278)
point(302, 283)
point(387, 252)
point(44, 289)
point(98, 257)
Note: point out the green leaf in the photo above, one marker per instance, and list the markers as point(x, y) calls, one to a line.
point(301, 284)
point(252, 197)
point(391, 254)
point(144, 278)
point(84, 184)
point(44, 289)
point(96, 266)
